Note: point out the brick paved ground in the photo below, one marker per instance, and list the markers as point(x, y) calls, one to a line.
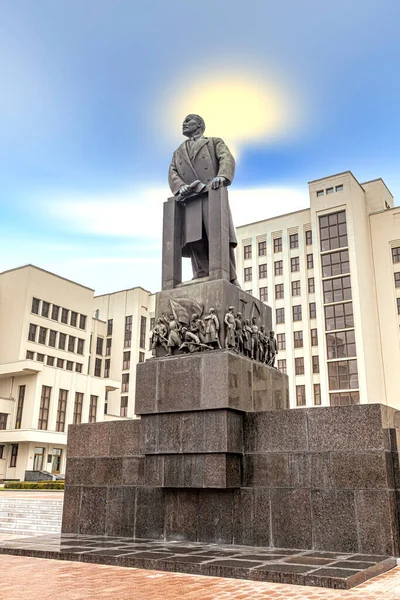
point(41, 579)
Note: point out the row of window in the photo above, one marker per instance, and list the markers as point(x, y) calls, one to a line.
point(297, 339)
point(58, 313)
point(55, 339)
point(330, 190)
point(297, 313)
point(277, 243)
point(52, 361)
point(338, 345)
point(299, 365)
point(128, 331)
point(301, 395)
point(335, 399)
point(45, 400)
point(278, 268)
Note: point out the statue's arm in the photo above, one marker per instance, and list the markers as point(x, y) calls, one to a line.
point(174, 179)
point(225, 159)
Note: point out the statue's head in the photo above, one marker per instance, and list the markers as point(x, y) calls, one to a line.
point(253, 320)
point(239, 315)
point(212, 311)
point(195, 316)
point(272, 333)
point(262, 328)
point(231, 309)
point(193, 125)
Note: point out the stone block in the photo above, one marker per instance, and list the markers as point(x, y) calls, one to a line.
point(181, 508)
point(124, 438)
point(266, 470)
point(291, 519)
point(350, 428)
point(146, 387)
point(360, 470)
point(193, 471)
point(120, 517)
point(132, 470)
point(334, 520)
point(80, 471)
point(215, 516)
point(92, 518)
point(108, 471)
point(150, 513)
point(71, 509)
point(310, 470)
point(376, 518)
point(276, 431)
point(252, 517)
point(89, 439)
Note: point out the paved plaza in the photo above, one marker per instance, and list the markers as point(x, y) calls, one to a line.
point(26, 578)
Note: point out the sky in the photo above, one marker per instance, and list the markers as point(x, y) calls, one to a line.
point(93, 94)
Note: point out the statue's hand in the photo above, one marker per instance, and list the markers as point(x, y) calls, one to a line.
point(184, 190)
point(218, 182)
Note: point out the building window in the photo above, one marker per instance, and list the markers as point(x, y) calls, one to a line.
point(152, 323)
point(311, 285)
point(78, 367)
point(74, 319)
point(3, 420)
point(45, 309)
point(280, 315)
point(32, 332)
point(315, 364)
point(71, 343)
point(97, 367)
point(20, 406)
point(320, 193)
point(128, 332)
point(109, 327)
point(281, 341)
point(108, 346)
point(344, 398)
point(296, 288)
point(55, 310)
point(80, 346)
point(264, 294)
point(395, 255)
point(2, 451)
point(93, 409)
point(398, 305)
point(295, 264)
point(82, 322)
point(52, 338)
point(42, 335)
point(299, 366)
point(125, 382)
point(44, 407)
point(337, 290)
point(126, 360)
point(298, 339)
point(62, 338)
point(30, 355)
point(70, 365)
point(300, 395)
point(61, 410)
point(397, 280)
point(107, 368)
point(314, 337)
point(99, 346)
point(282, 365)
point(60, 363)
point(78, 407)
point(294, 240)
point(50, 361)
point(262, 248)
point(247, 274)
point(333, 231)
point(339, 316)
point(309, 237)
point(329, 190)
point(262, 271)
point(297, 316)
point(247, 252)
point(278, 244)
point(310, 261)
point(142, 338)
point(317, 394)
point(14, 455)
point(124, 406)
point(336, 263)
point(278, 267)
point(343, 375)
point(279, 293)
point(313, 310)
point(64, 315)
point(35, 305)
point(39, 357)
point(106, 403)
point(339, 188)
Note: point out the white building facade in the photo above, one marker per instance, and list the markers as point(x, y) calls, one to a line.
point(331, 274)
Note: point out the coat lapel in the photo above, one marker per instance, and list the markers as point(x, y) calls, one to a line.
point(199, 146)
point(183, 152)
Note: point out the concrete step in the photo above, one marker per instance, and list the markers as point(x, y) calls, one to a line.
point(30, 516)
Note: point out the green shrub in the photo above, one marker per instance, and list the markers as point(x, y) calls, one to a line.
point(34, 485)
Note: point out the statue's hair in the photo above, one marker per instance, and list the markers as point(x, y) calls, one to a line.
point(200, 121)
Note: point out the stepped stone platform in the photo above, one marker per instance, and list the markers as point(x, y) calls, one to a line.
point(279, 565)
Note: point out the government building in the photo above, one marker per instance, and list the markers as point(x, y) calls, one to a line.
point(331, 274)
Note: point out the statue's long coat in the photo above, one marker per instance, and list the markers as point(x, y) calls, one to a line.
point(211, 159)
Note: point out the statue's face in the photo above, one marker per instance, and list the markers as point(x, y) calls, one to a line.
point(190, 126)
